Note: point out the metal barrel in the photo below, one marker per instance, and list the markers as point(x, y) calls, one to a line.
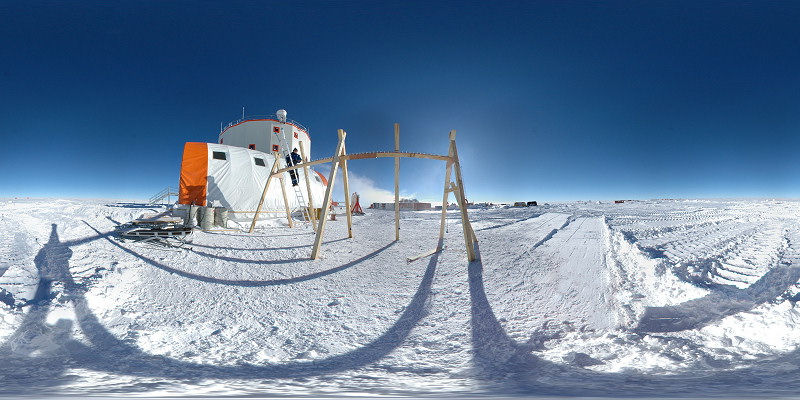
point(221, 217)
point(207, 220)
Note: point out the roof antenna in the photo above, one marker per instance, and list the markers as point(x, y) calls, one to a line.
point(242, 113)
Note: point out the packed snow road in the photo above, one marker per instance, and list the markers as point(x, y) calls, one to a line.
point(644, 298)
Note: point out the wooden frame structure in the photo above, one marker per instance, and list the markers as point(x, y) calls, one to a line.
point(340, 159)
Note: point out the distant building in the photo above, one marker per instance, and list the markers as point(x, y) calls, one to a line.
point(405, 205)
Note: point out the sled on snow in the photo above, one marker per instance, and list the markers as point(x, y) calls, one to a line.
point(156, 229)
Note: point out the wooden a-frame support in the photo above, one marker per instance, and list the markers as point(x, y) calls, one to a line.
point(272, 173)
point(310, 207)
point(458, 191)
point(340, 159)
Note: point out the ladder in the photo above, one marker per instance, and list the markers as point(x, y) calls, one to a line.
point(301, 200)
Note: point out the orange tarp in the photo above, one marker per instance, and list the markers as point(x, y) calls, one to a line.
point(194, 173)
point(324, 179)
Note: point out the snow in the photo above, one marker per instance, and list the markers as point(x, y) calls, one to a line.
point(646, 298)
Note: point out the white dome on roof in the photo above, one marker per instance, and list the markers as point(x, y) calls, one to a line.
point(281, 115)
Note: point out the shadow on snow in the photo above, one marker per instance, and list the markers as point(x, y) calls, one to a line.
point(244, 283)
point(502, 365)
point(717, 305)
point(108, 353)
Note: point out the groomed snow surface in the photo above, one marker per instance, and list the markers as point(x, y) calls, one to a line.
point(648, 298)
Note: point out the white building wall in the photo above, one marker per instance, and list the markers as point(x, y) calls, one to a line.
point(237, 182)
point(260, 135)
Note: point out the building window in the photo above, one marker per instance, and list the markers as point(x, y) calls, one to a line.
point(220, 140)
point(259, 162)
point(251, 146)
point(276, 129)
point(295, 136)
point(220, 155)
point(275, 147)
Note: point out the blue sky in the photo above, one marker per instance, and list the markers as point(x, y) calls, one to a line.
point(552, 100)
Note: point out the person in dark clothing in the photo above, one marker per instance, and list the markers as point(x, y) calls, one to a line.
point(293, 159)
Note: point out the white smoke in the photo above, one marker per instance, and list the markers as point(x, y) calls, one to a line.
point(366, 188)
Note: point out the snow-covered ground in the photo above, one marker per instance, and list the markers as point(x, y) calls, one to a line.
point(649, 298)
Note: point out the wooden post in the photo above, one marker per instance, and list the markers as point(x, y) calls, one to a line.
point(397, 182)
point(310, 207)
point(264, 193)
point(469, 234)
point(447, 189)
point(326, 203)
point(346, 186)
point(286, 200)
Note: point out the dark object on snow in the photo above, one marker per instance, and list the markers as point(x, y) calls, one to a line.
point(582, 359)
point(6, 297)
point(155, 229)
point(532, 203)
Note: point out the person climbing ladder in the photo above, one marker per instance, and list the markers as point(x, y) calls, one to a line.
point(292, 160)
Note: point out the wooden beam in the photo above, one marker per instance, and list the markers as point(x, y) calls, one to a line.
point(310, 206)
point(286, 201)
point(469, 234)
point(425, 254)
point(459, 195)
point(397, 182)
point(326, 203)
point(447, 189)
point(264, 193)
point(379, 154)
point(373, 154)
point(346, 186)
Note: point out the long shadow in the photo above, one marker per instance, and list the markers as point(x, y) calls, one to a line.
point(506, 367)
point(248, 261)
point(501, 363)
point(131, 361)
point(248, 283)
point(262, 234)
point(108, 353)
point(245, 249)
point(20, 369)
point(713, 307)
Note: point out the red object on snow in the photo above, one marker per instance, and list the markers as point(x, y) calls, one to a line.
point(357, 206)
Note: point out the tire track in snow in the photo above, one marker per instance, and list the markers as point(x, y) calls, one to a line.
point(506, 225)
point(15, 281)
point(552, 233)
point(725, 301)
point(708, 246)
point(538, 230)
point(560, 275)
point(577, 273)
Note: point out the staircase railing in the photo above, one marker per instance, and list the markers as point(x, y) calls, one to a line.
point(165, 193)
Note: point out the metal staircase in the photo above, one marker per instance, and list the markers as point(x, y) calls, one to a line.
point(165, 193)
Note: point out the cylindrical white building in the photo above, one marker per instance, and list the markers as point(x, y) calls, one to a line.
point(233, 172)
